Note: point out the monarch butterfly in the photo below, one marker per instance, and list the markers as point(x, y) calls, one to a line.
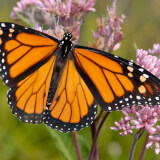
point(61, 84)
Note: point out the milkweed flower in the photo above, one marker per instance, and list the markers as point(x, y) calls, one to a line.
point(66, 14)
point(109, 32)
point(149, 62)
point(22, 6)
point(143, 117)
point(124, 126)
point(28, 10)
point(58, 31)
point(70, 13)
point(154, 141)
point(155, 49)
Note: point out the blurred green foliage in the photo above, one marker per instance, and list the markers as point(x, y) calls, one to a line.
point(37, 142)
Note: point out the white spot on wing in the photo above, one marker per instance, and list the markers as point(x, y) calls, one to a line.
point(141, 69)
point(3, 25)
point(13, 25)
point(121, 101)
point(138, 97)
point(130, 63)
point(146, 75)
point(6, 81)
point(3, 60)
point(116, 56)
point(126, 99)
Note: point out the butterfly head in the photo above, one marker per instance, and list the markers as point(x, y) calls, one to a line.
point(66, 43)
point(67, 36)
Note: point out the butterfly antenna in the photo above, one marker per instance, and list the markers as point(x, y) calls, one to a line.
point(77, 26)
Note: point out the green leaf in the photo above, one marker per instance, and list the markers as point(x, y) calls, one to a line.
point(64, 143)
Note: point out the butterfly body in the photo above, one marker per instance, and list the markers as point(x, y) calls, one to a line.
point(63, 54)
point(61, 84)
point(66, 44)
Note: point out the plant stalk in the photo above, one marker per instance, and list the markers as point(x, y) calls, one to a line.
point(94, 130)
point(96, 135)
point(135, 140)
point(74, 134)
point(144, 148)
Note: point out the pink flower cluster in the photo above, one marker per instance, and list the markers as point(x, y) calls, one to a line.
point(58, 31)
point(143, 117)
point(28, 10)
point(22, 6)
point(66, 9)
point(66, 14)
point(155, 49)
point(155, 141)
point(124, 126)
point(109, 32)
point(149, 62)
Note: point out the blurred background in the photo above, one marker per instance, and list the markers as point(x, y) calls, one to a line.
point(37, 142)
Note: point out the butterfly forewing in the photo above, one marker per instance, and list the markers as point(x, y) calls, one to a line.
point(115, 82)
point(23, 51)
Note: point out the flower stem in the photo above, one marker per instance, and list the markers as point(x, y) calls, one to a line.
point(74, 134)
point(144, 147)
point(96, 136)
point(135, 140)
point(133, 147)
point(94, 130)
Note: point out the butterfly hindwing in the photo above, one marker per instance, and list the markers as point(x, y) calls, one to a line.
point(28, 98)
point(73, 106)
point(22, 51)
point(114, 81)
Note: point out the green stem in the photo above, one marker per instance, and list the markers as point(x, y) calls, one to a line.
point(144, 147)
point(96, 136)
point(135, 140)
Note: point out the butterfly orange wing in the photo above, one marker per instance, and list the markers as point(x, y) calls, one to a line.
point(115, 82)
point(29, 97)
point(26, 66)
point(73, 106)
point(23, 51)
